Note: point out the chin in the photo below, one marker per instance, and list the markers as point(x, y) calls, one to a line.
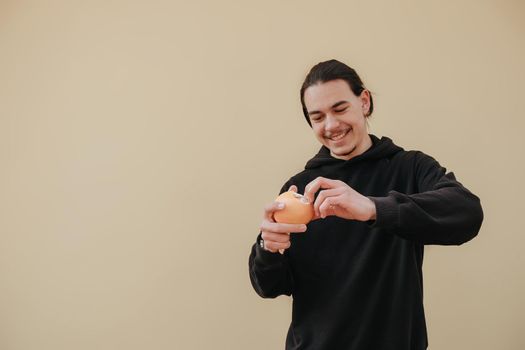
point(342, 152)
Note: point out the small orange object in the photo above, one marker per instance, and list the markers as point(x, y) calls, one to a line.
point(297, 209)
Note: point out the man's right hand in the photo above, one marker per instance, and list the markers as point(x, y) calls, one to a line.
point(276, 236)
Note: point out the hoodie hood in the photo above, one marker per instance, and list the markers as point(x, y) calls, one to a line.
point(381, 148)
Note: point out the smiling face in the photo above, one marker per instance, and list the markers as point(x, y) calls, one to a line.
point(338, 117)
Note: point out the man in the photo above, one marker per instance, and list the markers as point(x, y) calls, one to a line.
point(355, 271)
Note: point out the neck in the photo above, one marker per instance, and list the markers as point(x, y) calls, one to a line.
point(358, 150)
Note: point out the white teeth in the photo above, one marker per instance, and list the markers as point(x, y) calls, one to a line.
point(338, 136)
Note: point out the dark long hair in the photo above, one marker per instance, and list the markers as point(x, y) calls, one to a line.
point(332, 70)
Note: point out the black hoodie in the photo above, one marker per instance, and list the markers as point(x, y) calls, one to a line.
point(359, 285)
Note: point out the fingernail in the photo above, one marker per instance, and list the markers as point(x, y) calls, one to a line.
point(303, 227)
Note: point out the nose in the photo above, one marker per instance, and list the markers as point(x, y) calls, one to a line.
point(331, 123)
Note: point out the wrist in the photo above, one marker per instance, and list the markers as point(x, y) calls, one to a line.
point(372, 210)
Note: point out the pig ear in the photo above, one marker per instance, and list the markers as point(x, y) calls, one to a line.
point(293, 188)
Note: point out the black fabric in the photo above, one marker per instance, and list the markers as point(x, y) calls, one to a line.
point(359, 285)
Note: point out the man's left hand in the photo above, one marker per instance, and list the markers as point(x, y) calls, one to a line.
point(338, 199)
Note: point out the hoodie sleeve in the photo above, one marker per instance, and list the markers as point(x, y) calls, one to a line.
point(270, 272)
point(442, 211)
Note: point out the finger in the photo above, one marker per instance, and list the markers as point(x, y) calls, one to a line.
point(275, 246)
point(318, 183)
point(271, 208)
point(270, 226)
point(323, 195)
point(270, 250)
point(293, 188)
point(275, 237)
point(327, 208)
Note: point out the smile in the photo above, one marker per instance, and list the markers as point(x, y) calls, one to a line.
point(339, 136)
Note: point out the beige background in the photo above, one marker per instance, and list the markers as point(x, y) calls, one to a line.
point(140, 140)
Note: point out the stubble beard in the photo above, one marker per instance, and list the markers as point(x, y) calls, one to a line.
point(344, 155)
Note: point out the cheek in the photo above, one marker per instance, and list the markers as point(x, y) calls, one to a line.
point(356, 120)
point(317, 129)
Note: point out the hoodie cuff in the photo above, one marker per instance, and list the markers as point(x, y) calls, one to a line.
point(387, 212)
point(266, 257)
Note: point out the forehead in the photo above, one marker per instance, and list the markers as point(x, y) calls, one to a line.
point(324, 95)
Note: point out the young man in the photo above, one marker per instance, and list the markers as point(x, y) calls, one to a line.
point(355, 271)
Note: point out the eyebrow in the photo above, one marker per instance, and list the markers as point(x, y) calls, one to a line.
point(335, 105)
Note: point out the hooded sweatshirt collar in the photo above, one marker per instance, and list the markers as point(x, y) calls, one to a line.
point(381, 148)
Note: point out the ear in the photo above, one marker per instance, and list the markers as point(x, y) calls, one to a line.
point(365, 101)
